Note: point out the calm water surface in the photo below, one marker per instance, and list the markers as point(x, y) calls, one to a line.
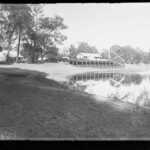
point(131, 87)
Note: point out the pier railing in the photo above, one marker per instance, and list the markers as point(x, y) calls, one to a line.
point(96, 63)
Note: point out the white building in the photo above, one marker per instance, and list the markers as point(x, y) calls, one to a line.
point(89, 56)
point(12, 54)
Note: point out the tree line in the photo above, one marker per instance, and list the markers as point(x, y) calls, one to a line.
point(26, 27)
point(83, 47)
point(129, 54)
point(34, 35)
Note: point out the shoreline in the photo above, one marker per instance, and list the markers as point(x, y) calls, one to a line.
point(61, 72)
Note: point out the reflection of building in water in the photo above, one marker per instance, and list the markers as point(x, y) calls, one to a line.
point(96, 76)
point(115, 77)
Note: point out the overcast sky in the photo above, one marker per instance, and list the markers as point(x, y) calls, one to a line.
point(103, 25)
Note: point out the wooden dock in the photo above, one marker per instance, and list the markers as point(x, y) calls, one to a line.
point(96, 63)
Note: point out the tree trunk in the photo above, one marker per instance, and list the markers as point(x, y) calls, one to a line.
point(9, 49)
point(9, 46)
point(18, 50)
point(7, 56)
point(42, 56)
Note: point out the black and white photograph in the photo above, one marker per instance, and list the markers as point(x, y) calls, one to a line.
point(75, 71)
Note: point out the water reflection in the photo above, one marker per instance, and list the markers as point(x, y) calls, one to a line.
point(133, 88)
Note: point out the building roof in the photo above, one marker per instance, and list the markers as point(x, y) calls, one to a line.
point(65, 57)
point(90, 54)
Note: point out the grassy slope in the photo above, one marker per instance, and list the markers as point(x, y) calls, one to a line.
point(41, 108)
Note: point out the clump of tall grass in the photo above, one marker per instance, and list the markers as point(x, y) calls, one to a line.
point(143, 98)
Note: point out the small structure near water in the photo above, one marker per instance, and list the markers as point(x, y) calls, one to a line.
point(95, 60)
point(65, 59)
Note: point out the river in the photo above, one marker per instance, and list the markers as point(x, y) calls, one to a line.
point(128, 87)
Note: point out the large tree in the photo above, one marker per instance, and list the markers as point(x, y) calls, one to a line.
point(72, 51)
point(45, 35)
point(83, 47)
point(7, 29)
point(51, 32)
point(86, 48)
point(129, 54)
point(32, 46)
point(18, 19)
point(120, 53)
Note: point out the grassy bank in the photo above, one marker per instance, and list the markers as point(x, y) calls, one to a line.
point(32, 106)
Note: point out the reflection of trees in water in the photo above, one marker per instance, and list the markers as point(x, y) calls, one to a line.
point(123, 93)
point(136, 79)
point(142, 99)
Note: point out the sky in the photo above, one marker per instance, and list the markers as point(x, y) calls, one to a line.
point(104, 24)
